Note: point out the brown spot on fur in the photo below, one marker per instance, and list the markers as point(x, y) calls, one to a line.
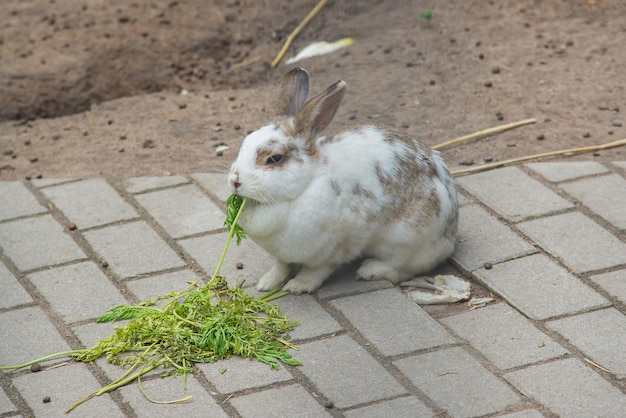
point(336, 187)
point(288, 152)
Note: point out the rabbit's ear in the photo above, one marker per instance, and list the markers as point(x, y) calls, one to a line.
point(293, 92)
point(318, 112)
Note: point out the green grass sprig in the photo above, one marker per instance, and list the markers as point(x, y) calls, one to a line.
point(199, 324)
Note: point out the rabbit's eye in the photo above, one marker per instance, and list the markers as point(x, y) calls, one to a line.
point(274, 159)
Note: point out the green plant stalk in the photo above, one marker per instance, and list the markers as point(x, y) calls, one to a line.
point(231, 233)
point(39, 360)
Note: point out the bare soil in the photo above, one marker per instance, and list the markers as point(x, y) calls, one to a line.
point(121, 89)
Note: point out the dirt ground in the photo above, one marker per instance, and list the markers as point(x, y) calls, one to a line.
point(119, 88)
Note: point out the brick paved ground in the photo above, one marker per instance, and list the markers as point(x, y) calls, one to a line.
point(555, 234)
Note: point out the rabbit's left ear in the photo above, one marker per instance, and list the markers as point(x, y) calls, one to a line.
point(293, 92)
point(318, 112)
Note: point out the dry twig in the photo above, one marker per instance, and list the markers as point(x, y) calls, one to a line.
point(297, 30)
point(485, 132)
point(571, 151)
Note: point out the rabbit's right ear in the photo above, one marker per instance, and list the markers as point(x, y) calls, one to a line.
point(293, 92)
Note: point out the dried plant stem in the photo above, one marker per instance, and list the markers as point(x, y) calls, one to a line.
point(485, 132)
point(570, 151)
point(246, 62)
point(297, 30)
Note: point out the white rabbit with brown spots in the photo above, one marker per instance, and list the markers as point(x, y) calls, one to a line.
point(316, 202)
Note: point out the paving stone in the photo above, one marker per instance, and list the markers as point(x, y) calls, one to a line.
point(513, 194)
point(504, 336)
point(601, 335)
point(133, 249)
point(407, 407)
point(540, 288)
point(482, 238)
point(462, 200)
point(345, 373)
point(90, 203)
point(6, 406)
point(208, 249)
point(282, 402)
point(561, 171)
point(12, 294)
point(214, 183)
point(242, 373)
point(457, 383)
point(343, 282)
point(392, 323)
point(182, 211)
point(613, 282)
point(314, 320)
point(21, 203)
point(22, 332)
point(604, 195)
point(568, 388)
point(579, 242)
point(83, 284)
point(37, 242)
point(621, 164)
point(51, 182)
point(65, 386)
point(154, 286)
point(143, 184)
point(168, 389)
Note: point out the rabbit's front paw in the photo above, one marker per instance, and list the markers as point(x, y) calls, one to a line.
point(273, 278)
point(308, 280)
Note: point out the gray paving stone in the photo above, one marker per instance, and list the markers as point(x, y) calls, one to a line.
point(37, 242)
point(6, 406)
point(540, 288)
point(154, 286)
point(21, 202)
point(482, 238)
point(343, 282)
point(242, 373)
point(561, 171)
point(579, 242)
point(133, 249)
point(21, 332)
point(392, 323)
point(214, 183)
point(12, 293)
point(604, 195)
point(621, 164)
point(78, 291)
point(65, 386)
point(314, 320)
point(613, 282)
point(182, 211)
point(168, 389)
point(283, 402)
point(463, 201)
point(457, 383)
point(569, 389)
point(513, 194)
point(407, 407)
point(208, 249)
point(504, 336)
point(90, 203)
point(601, 335)
point(143, 184)
point(345, 373)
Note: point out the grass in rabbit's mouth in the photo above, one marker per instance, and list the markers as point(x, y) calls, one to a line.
point(198, 324)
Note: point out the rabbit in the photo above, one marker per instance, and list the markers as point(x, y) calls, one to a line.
point(316, 202)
